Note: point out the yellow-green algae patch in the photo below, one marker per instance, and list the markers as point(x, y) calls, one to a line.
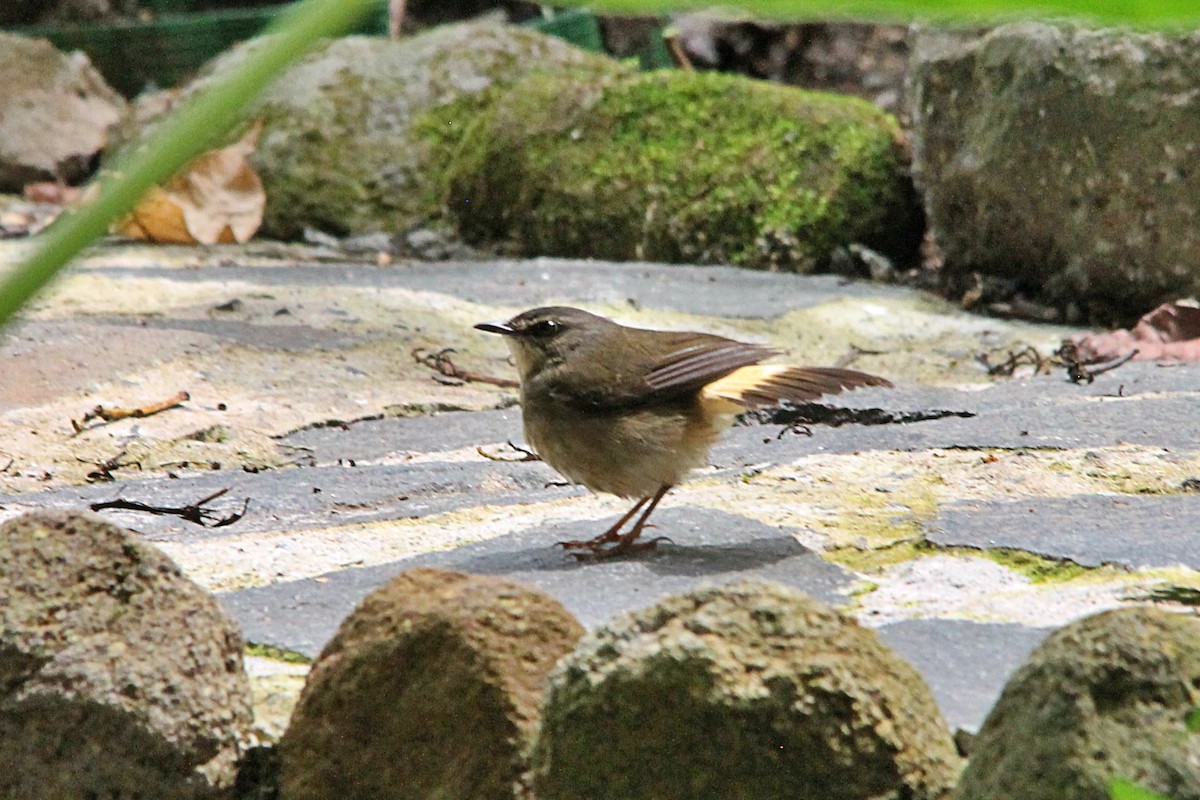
point(869, 513)
point(274, 653)
point(1038, 568)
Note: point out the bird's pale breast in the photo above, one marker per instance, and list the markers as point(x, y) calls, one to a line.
point(629, 453)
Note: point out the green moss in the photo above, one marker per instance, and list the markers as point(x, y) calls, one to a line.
point(677, 166)
point(462, 159)
point(1184, 595)
point(1038, 568)
point(276, 653)
point(871, 561)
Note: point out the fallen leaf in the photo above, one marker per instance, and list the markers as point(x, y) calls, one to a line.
point(217, 199)
point(1170, 332)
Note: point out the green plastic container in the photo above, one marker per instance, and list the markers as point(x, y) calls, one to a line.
point(577, 25)
point(167, 50)
point(164, 52)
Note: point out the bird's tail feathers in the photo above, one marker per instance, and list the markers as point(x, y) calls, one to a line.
point(769, 384)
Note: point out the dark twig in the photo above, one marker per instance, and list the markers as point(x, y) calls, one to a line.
point(525, 454)
point(193, 512)
point(1026, 356)
point(1078, 372)
point(113, 414)
point(104, 469)
point(853, 353)
point(797, 428)
point(440, 363)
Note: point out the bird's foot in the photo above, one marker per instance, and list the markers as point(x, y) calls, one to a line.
point(613, 534)
point(591, 544)
point(609, 536)
point(599, 552)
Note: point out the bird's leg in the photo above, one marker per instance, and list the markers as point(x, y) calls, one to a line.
point(610, 535)
point(626, 542)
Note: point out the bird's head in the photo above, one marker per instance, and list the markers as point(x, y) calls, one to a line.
point(545, 336)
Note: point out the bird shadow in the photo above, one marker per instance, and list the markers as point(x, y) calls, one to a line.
point(701, 542)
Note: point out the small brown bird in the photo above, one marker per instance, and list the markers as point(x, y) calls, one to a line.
point(630, 412)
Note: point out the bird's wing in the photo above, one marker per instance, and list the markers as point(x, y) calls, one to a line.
point(699, 359)
point(769, 384)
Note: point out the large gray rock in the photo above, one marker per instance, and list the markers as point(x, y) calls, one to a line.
point(119, 677)
point(55, 113)
point(340, 151)
point(1106, 697)
point(750, 690)
point(430, 688)
point(1064, 160)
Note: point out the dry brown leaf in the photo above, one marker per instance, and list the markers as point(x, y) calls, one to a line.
point(1170, 332)
point(217, 199)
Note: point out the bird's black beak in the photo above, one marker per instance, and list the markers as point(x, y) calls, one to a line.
point(502, 328)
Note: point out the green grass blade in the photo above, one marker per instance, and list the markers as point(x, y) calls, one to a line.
point(1127, 790)
point(1141, 13)
point(196, 127)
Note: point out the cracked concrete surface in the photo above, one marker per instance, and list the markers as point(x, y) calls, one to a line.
point(962, 516)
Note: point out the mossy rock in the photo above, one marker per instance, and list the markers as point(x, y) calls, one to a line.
point(429, 689)
point(745, 691)
point(677, 166)
point(119, 676)
point(1107, 697)
point(338, 151)
point(1060, 160)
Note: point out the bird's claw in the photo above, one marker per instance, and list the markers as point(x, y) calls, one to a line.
point(598, 552)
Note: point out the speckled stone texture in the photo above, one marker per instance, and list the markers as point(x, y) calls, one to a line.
point(57, 113)
point(119, 677)
point(340, 150)
point(749, 690)
point(430, 688)
point(1061, 158)
point(1106, 697)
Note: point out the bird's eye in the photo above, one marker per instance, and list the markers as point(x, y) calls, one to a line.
point(545, 327)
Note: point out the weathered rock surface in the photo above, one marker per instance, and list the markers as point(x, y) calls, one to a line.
point(341, 152)
point(119, 677)
point(679, 166)
point(744, 691)
point(1106, 697)
point(55, 113)
point(430, 688)
point(1062, 159)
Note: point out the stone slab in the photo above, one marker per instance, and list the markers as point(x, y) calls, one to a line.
point(712, 547)
point(707, 291)
point(1130, 530)
point(965, 663)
